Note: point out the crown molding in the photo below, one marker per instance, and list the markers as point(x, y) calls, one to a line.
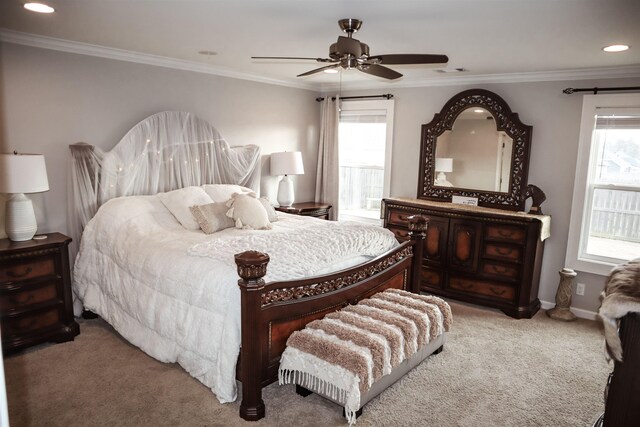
point(44, 42)
point(630, 71)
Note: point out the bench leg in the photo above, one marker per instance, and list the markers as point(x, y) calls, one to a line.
point(439, 350)
point(302, 391)
point(358, 413)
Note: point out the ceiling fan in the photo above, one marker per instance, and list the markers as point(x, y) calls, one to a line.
point(350, 53)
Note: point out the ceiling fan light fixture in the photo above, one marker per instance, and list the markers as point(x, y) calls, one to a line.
point(616, 48)
point(39, 7)
point(331, 71)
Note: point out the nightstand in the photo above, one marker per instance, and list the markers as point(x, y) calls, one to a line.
point(317, 210)
point(35, 292)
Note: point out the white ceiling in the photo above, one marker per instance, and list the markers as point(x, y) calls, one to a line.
point(496, 39)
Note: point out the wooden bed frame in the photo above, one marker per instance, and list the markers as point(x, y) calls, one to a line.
point(272, 312)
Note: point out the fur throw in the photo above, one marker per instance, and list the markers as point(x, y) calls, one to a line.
point(621, 295)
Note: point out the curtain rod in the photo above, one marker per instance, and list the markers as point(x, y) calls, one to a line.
point(595, 90)
point(384, 95)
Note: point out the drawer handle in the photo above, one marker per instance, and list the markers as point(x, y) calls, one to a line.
point(402, 217)
point(504, 233)
point(23, 300)
point(28, 324)
point(15, 275)
point(499, 269)
point(504, 251)
point(497, 291)
point(465, 286)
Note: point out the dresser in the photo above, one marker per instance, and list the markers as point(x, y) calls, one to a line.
point(35, 292)
point(316, 210)
point(484, 256)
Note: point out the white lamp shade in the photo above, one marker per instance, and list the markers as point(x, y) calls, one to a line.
point(287, 163)
point(23, 173)
point(444, 164)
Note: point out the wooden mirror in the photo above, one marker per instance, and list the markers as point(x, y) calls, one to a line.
point(475, 147)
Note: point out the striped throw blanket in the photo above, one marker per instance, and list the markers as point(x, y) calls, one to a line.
point(344, 353)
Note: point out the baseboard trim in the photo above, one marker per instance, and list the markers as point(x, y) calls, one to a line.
point(579, 312)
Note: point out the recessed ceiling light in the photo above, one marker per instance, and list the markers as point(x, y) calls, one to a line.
point(207, 52)
point(331, 70)
point(616, 48)
point(39, 7)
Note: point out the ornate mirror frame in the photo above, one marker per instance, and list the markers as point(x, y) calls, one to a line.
point(507, 121)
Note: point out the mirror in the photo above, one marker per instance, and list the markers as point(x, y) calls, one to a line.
point(475, 147)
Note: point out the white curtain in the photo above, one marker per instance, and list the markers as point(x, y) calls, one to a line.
point(328, 176)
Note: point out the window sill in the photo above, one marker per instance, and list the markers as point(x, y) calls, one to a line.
point(601, 268)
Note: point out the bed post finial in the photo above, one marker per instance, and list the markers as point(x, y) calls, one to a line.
point(252, 267)
point(418, 232)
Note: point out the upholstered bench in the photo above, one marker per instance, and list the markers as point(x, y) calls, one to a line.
point(352, 355)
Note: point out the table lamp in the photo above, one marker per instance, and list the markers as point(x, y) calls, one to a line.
point(19, 174)
point(286, 163)
point(443, 164)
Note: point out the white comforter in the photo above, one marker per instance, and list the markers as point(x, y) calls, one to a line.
point(174, 293)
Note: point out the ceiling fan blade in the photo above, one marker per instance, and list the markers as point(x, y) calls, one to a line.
point(399, 59)
point(380, 71)
point(294, 58)
point(317, 70)
point(350, 46)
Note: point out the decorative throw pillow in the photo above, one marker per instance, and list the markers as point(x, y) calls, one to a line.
point(212, 217)
point(247, 212)
point(179, 201)
point(271, 212)
point(223, 192)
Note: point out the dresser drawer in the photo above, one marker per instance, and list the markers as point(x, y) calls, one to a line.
point(492, 290)
point(27, 269)
point(503, 252)
point(27, 296)
point(402, 234)
point(505, 233)
point(503, 271)
point(32, 322)
point(399, 218)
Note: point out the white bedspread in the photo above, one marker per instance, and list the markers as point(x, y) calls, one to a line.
point(174, 293)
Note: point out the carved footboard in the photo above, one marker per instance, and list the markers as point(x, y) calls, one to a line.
point(271, 312)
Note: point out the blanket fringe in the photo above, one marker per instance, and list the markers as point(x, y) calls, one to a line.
point(311, 382)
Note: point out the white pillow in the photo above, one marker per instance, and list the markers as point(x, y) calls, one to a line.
point(271, 212)
point(179, 201)
point(212, 217)
point(221, 193)
point(248, 213)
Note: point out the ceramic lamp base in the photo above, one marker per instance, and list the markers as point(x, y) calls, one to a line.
point(285, 192)
point(20, 222)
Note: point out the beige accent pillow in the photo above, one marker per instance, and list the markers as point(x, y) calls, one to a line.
point(179, 201)
point(223, 192)
point(212, 217)
point(248, 212)
point(271, 212)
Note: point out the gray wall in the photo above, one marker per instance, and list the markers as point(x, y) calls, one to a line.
point(555, 118)
point(51, 99)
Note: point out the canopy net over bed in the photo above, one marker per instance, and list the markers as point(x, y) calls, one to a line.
point(164, 152)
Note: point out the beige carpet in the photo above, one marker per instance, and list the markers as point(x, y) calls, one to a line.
point(494, 371)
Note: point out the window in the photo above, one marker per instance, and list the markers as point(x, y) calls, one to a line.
point(605, 217)
point(364, 138)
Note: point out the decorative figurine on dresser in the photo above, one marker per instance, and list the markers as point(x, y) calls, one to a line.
point(482, 248)
point(35, 292)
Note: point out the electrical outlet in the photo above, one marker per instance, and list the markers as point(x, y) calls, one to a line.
point(580, 289)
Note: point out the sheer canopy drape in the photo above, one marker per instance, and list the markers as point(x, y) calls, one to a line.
point(327, 175)
point(166, 151)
